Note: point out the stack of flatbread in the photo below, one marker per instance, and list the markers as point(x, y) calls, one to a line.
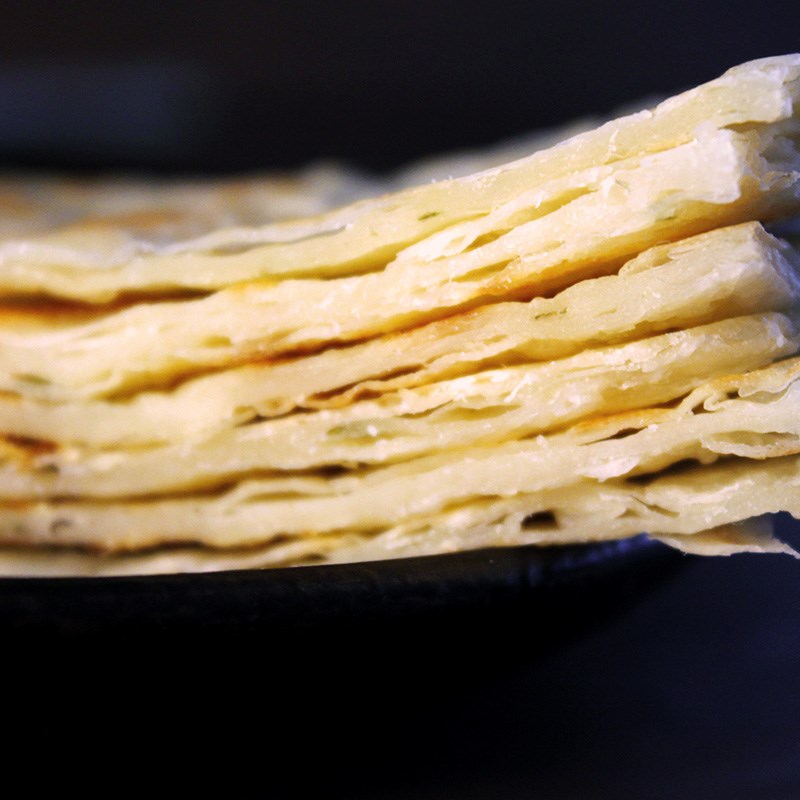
point(591, 342)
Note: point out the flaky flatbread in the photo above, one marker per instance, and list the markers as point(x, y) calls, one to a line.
point(365, 236)
point(709, 510)
point(753, 416)
point(593, 341)
point(486, 408)
point(699, 509)
point(603, 216)
point(77, 210)
point(723, 273)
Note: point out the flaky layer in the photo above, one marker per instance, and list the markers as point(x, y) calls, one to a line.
point(486, 408)
point(721, 178)
point(753, 416)
point(84, 264)
point(723, 273)
point(707, 510)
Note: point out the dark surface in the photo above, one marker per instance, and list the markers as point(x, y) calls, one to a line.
point(677, 679)
point(249, 84)
point(690, 693)
point(576, 585)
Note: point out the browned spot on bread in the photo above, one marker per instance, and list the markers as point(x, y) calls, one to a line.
point(23, 451)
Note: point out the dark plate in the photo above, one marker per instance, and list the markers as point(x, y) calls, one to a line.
point(543, 584)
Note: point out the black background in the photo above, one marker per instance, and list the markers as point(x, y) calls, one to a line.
point(689, 689)
point(257, 85)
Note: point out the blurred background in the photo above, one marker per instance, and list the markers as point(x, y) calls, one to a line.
point(689, 687)
point(244, 85)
